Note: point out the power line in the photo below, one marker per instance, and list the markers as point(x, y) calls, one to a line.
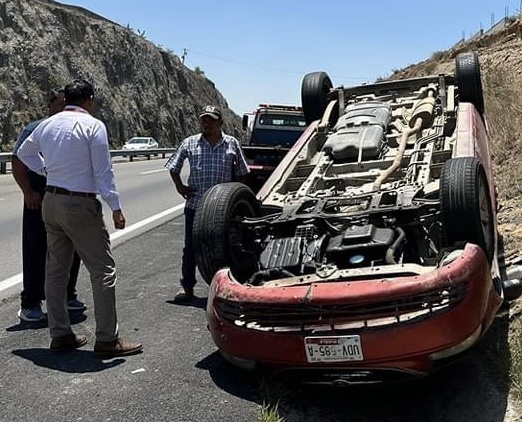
point(260, 66)
point(242, 63)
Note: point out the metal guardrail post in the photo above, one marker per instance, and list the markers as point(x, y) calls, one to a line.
point(5, 157)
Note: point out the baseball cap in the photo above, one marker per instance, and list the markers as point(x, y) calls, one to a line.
point(211, 111)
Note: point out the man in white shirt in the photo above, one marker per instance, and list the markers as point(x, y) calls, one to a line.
point(72, 148)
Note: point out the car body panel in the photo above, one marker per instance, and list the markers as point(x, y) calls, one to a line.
point(472, 140)
point(467, 310)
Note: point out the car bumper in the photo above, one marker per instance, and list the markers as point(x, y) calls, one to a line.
point(406, 323)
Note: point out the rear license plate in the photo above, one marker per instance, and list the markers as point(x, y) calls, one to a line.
point(333, 349)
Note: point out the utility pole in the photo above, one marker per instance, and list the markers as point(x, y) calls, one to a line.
point(185, 51)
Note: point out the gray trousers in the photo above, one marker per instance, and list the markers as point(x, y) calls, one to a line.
point(74, 222)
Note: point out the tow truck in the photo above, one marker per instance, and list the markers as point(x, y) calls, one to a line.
point(272, 129)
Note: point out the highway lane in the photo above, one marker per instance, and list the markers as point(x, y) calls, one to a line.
point(145, 188)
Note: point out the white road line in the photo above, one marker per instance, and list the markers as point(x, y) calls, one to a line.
point(10, 282)
point(152, 171)
point(14, 280)
point(142, 223)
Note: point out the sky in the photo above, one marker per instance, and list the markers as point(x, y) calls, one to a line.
point(258, 51)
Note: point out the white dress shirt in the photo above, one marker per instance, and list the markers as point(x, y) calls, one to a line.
point(74, 152)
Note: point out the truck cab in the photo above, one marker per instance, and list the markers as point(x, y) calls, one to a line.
point(270, 134)
point(275, 125)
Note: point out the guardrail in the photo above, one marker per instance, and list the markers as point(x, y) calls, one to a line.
point(5, 157)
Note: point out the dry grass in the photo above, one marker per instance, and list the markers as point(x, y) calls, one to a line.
point(269, 413)
point(503, 95)
point(272, 395)
point(515, 345)
point(503, 92)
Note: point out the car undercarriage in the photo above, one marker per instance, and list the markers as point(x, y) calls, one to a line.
point(377, 183)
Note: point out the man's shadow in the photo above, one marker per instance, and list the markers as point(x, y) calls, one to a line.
point(197, 302)
point(75, 317)
point(77, 361)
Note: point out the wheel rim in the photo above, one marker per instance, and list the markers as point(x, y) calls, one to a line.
point(238, 254)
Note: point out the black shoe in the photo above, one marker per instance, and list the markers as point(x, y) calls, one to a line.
point(31, 314)
point(76, 305)
point(184, 295)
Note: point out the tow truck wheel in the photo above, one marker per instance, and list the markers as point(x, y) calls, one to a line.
point(314, 95)
point(218, 237)
point(467, 72)
point(465, 202)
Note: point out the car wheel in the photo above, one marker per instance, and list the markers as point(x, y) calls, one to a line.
point(217, 235)
point(465, 202)
point(467, 72)
point(314, 95)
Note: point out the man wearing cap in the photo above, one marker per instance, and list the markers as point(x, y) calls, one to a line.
point(214, 157)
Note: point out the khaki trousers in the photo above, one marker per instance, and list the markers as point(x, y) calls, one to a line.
point(74, 222)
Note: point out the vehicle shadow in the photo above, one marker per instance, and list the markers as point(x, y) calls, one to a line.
point(475, 388)
point(230, 379)
point(77, 361)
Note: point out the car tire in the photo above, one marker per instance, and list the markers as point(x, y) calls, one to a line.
point(465, 203)
point(469, 82)
point(217, 238)
point(314, 95)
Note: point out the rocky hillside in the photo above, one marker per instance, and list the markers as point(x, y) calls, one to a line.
point(141, 89)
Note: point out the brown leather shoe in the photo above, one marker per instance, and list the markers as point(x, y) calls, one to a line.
point(118, 347)
point(68, 342)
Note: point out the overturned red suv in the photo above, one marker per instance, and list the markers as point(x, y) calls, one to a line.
point(371, 253)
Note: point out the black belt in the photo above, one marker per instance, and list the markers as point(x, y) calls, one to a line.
point(63, 191)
